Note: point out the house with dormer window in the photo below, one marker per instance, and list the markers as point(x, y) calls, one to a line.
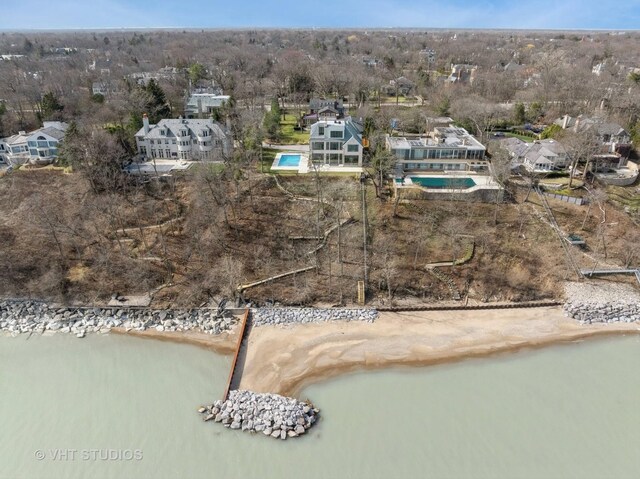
point(336, 143)
point(184, 139)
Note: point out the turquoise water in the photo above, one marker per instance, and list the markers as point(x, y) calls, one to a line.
point(569, 411)
point(436, 182)
point(289, 160)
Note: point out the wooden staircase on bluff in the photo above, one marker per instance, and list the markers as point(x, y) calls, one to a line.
point(447, 280)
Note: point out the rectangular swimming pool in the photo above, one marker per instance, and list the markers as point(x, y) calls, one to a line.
point(451, 183)
point(289, 160)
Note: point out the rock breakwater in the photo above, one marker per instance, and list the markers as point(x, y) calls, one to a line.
point(273, 415)
point(603, 312)
point(602, 302)
point(34, 317)
point(265, 316)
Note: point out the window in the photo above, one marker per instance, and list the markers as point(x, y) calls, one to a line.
point(173, 142)
point(335, 145)
point(166, 142)
point(167, 152)
point(32, 144)
point(336, 134)
point(151, 141)
point(317, 145)
point(53, 144)
point(205, 132)
point(33, 152)
point(143, 150)
point(321, 130)
point(352, 148)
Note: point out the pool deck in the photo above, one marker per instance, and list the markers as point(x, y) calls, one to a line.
point(306, 166)
point(482, 182)
point(301, 167)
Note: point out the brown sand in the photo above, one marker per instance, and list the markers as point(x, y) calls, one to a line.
point(224, 343)
point(285, 359)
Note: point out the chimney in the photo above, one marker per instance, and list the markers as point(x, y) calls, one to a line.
point(565, 122)
point(145, 123)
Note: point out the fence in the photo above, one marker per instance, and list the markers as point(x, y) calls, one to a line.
point(569, 199)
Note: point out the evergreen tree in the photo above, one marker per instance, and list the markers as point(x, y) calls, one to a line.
point(157, 106)
point(49, 106)
point(197, 72)
point(519, 114)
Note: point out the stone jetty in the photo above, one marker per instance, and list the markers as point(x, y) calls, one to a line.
point(270, 316)
point(602, 302)
point(273, 415)
point(35, 317)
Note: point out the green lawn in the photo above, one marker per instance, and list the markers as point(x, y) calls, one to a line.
point(289, 136)
point(624, 196)
point(528, 139)
point(268, 155)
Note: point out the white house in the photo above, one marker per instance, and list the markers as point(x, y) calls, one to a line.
point(541, 156)
point(203, 104)
point(184, 139)
point(38, 146)
point(336, 142)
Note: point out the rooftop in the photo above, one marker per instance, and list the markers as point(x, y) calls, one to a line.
point(449, 136)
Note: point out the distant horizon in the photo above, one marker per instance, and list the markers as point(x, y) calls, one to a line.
point(345, 28)
point(552, 15)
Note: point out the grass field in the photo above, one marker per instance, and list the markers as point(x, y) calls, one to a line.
point(289, 136)
point(528, 139)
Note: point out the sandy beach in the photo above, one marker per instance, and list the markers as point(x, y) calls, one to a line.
point(285, 359)
point(223, 343)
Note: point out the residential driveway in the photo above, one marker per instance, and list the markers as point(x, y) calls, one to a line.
point(296, 148)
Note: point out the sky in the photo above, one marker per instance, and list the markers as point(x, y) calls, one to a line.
point(539, 14)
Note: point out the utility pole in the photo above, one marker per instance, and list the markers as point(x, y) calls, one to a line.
point(363, 180)
point(340, 253)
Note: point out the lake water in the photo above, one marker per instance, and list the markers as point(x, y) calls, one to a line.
point(110, 406)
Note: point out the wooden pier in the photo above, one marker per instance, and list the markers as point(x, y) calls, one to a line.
point(236, 370)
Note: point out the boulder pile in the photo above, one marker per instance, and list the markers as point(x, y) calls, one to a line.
point(603, 312)
point(271, 414)
point(264, 316)
point(36, 317)
point(602, 302)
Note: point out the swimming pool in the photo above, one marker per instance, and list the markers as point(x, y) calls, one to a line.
point(452, 183)
point(289, 160)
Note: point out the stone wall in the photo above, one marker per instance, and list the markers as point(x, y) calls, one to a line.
point(596, 301)
point(264, 316)
point(35, 317)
